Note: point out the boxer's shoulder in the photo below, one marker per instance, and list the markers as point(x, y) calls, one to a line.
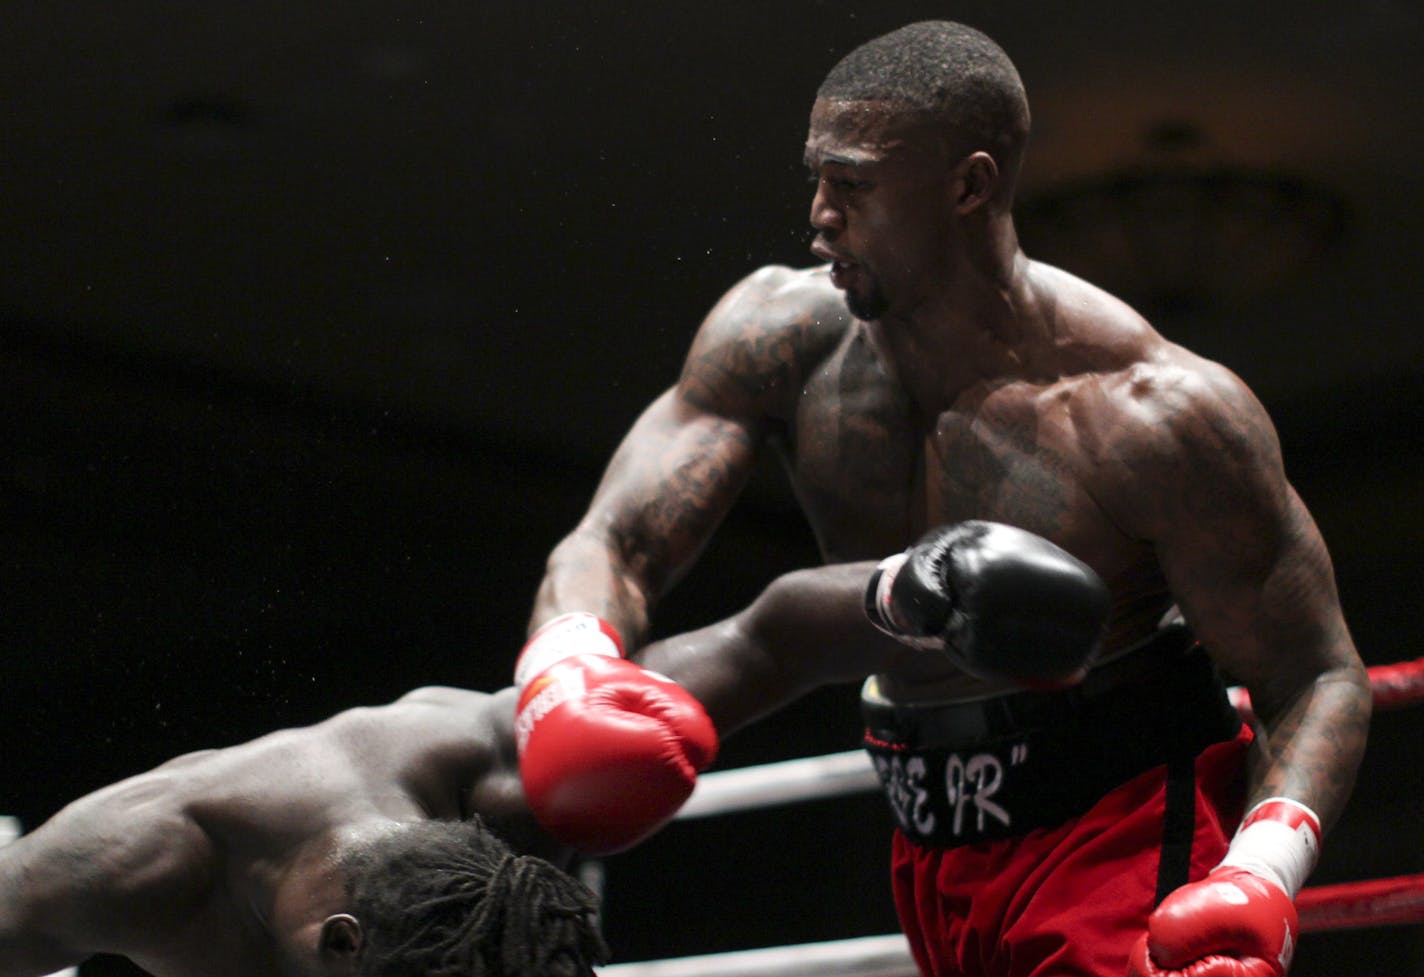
point(1178, 415)
point(765, 337)
point(113, 862)
point(809, 286)
point(445, 697)
point(430, 720)
point(791, 304)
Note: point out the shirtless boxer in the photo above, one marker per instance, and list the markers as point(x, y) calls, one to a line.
point(929, 372)
point(308, 851)
point(397, 840)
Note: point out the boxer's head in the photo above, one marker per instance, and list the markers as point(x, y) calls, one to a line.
point(915, 137)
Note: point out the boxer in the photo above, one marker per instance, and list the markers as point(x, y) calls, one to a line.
point(929, 372)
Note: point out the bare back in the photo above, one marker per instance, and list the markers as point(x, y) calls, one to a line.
point(177, 868)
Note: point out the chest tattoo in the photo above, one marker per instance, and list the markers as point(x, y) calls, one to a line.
point(1000, 470)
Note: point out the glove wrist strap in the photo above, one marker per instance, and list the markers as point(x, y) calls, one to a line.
point(577, 633)
point(1279, 840)
point(879, 604)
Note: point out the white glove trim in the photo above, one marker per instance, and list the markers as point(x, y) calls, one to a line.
point(1279, 841)
point(577, 633)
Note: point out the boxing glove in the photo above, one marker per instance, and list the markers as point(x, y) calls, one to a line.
point(608, 750)
point(1001, 603)
point(1240, 921)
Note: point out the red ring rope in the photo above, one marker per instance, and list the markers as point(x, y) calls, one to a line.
point(1398, 685)
point(1392, 686)
point(1377, 902)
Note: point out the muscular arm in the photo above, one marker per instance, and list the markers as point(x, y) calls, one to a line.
point(668, 486)
point(683, 464)
point(805, 630)
point(113, 872)
point(1247, 565)
point(29, 943)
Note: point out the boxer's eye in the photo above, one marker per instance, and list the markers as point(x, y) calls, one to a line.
point(844, 184)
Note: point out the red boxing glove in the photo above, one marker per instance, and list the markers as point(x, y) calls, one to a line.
point(1240, 921)
point(1230, 924)
point(608, 751)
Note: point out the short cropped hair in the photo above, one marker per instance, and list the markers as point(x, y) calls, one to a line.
point(953, 75)
point(449, 899)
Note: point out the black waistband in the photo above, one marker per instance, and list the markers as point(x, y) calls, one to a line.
point(1166, 660)
point(1047, 756)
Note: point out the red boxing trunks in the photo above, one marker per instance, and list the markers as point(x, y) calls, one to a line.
point(1037, 831)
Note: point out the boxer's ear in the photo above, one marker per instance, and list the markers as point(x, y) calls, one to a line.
point(340, 943)
point(976, 178)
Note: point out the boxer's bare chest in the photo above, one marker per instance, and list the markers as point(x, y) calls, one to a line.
point(873, 473)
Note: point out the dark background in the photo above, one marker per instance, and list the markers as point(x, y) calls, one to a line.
point(318, 324)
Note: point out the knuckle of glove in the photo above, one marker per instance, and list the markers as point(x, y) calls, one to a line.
point(1033, 612)
point(628, 719)
point(1230, 923)
point(673, 715)
point(607, 798)
point(1140, 962)
point(609, 755)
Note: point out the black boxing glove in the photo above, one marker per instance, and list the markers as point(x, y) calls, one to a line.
point(1000, 602)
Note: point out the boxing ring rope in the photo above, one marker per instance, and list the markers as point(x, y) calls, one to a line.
point(1347, 905)
point(1391, 686)
point(774, 784)
point(868, 956)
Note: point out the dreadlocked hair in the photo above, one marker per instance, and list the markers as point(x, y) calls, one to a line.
point(449, 899)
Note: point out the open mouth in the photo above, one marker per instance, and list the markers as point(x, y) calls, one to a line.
point(843, 273)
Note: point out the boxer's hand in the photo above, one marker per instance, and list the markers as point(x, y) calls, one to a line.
point(1240, 921)
point(1230, 924)
point(1002, 603)
point(608, 751)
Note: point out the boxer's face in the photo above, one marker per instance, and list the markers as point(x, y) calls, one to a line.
point(882, 209)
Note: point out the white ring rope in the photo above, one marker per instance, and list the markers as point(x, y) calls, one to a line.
point(867, 956)
point(786, 782)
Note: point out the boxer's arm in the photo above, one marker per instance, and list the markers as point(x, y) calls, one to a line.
point(667, 487)
point(806, 629)
point(829, 624)
point(609, 749)
point(28, 948)
point(1247, 564)
point(100, 877)
point(685, 460)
